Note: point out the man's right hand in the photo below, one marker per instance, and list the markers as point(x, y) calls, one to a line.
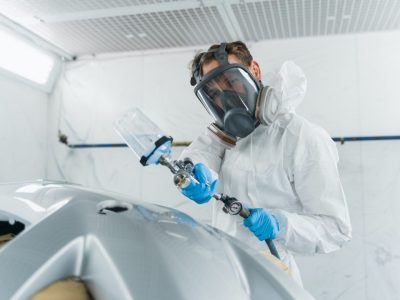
point(202, 191)
point(264, 225)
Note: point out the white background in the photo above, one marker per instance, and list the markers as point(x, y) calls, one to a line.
point(353, 89)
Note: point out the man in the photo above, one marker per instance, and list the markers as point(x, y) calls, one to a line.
point(275, 162)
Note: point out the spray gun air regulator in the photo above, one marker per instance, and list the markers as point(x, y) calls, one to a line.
point(184, 175)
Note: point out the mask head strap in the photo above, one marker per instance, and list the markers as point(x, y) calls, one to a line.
point(196, 75)
point(220, 54)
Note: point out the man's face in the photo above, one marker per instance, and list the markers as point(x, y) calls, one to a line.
point(229, 81)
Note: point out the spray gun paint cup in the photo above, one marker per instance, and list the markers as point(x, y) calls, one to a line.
point(144, 137)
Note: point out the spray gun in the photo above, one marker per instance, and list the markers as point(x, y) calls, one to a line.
point(183, 175)
point(152, 146)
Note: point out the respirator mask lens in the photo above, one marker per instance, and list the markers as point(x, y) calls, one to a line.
point(230, 95)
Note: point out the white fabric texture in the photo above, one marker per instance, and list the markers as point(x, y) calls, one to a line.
point(290, 169)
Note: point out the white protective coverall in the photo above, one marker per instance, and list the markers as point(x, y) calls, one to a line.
point(290, 169)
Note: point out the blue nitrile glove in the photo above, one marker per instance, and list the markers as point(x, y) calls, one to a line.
point(163, 149)
point(264, 225)
point(203, 191)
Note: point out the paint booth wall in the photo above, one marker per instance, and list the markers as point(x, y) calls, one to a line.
point(352, 90)
point(23, 131)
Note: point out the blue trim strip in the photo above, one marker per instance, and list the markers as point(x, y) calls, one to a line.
point(97, 145)
point(342, 140)
point(336, 139)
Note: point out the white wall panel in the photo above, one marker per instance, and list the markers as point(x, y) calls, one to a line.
point(330, 65)
point(352, 90)
point(379, 82)
point(23, 117)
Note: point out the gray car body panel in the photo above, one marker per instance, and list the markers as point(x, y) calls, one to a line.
point(144, 252)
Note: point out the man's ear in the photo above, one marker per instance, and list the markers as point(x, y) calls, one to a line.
point(255, 69)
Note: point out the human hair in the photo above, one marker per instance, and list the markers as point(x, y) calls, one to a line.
point(238, 48)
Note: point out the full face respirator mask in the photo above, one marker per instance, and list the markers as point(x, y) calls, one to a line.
point(236, 100)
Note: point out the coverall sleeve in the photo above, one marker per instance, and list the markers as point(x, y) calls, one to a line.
point(323, 225)
point(206, 149)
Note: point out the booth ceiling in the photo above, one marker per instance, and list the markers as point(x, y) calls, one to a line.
point(81, 27)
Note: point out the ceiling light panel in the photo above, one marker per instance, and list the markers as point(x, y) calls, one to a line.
point(163, 29)
point(97, 26)
point(47, 7)
point(261, 20)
